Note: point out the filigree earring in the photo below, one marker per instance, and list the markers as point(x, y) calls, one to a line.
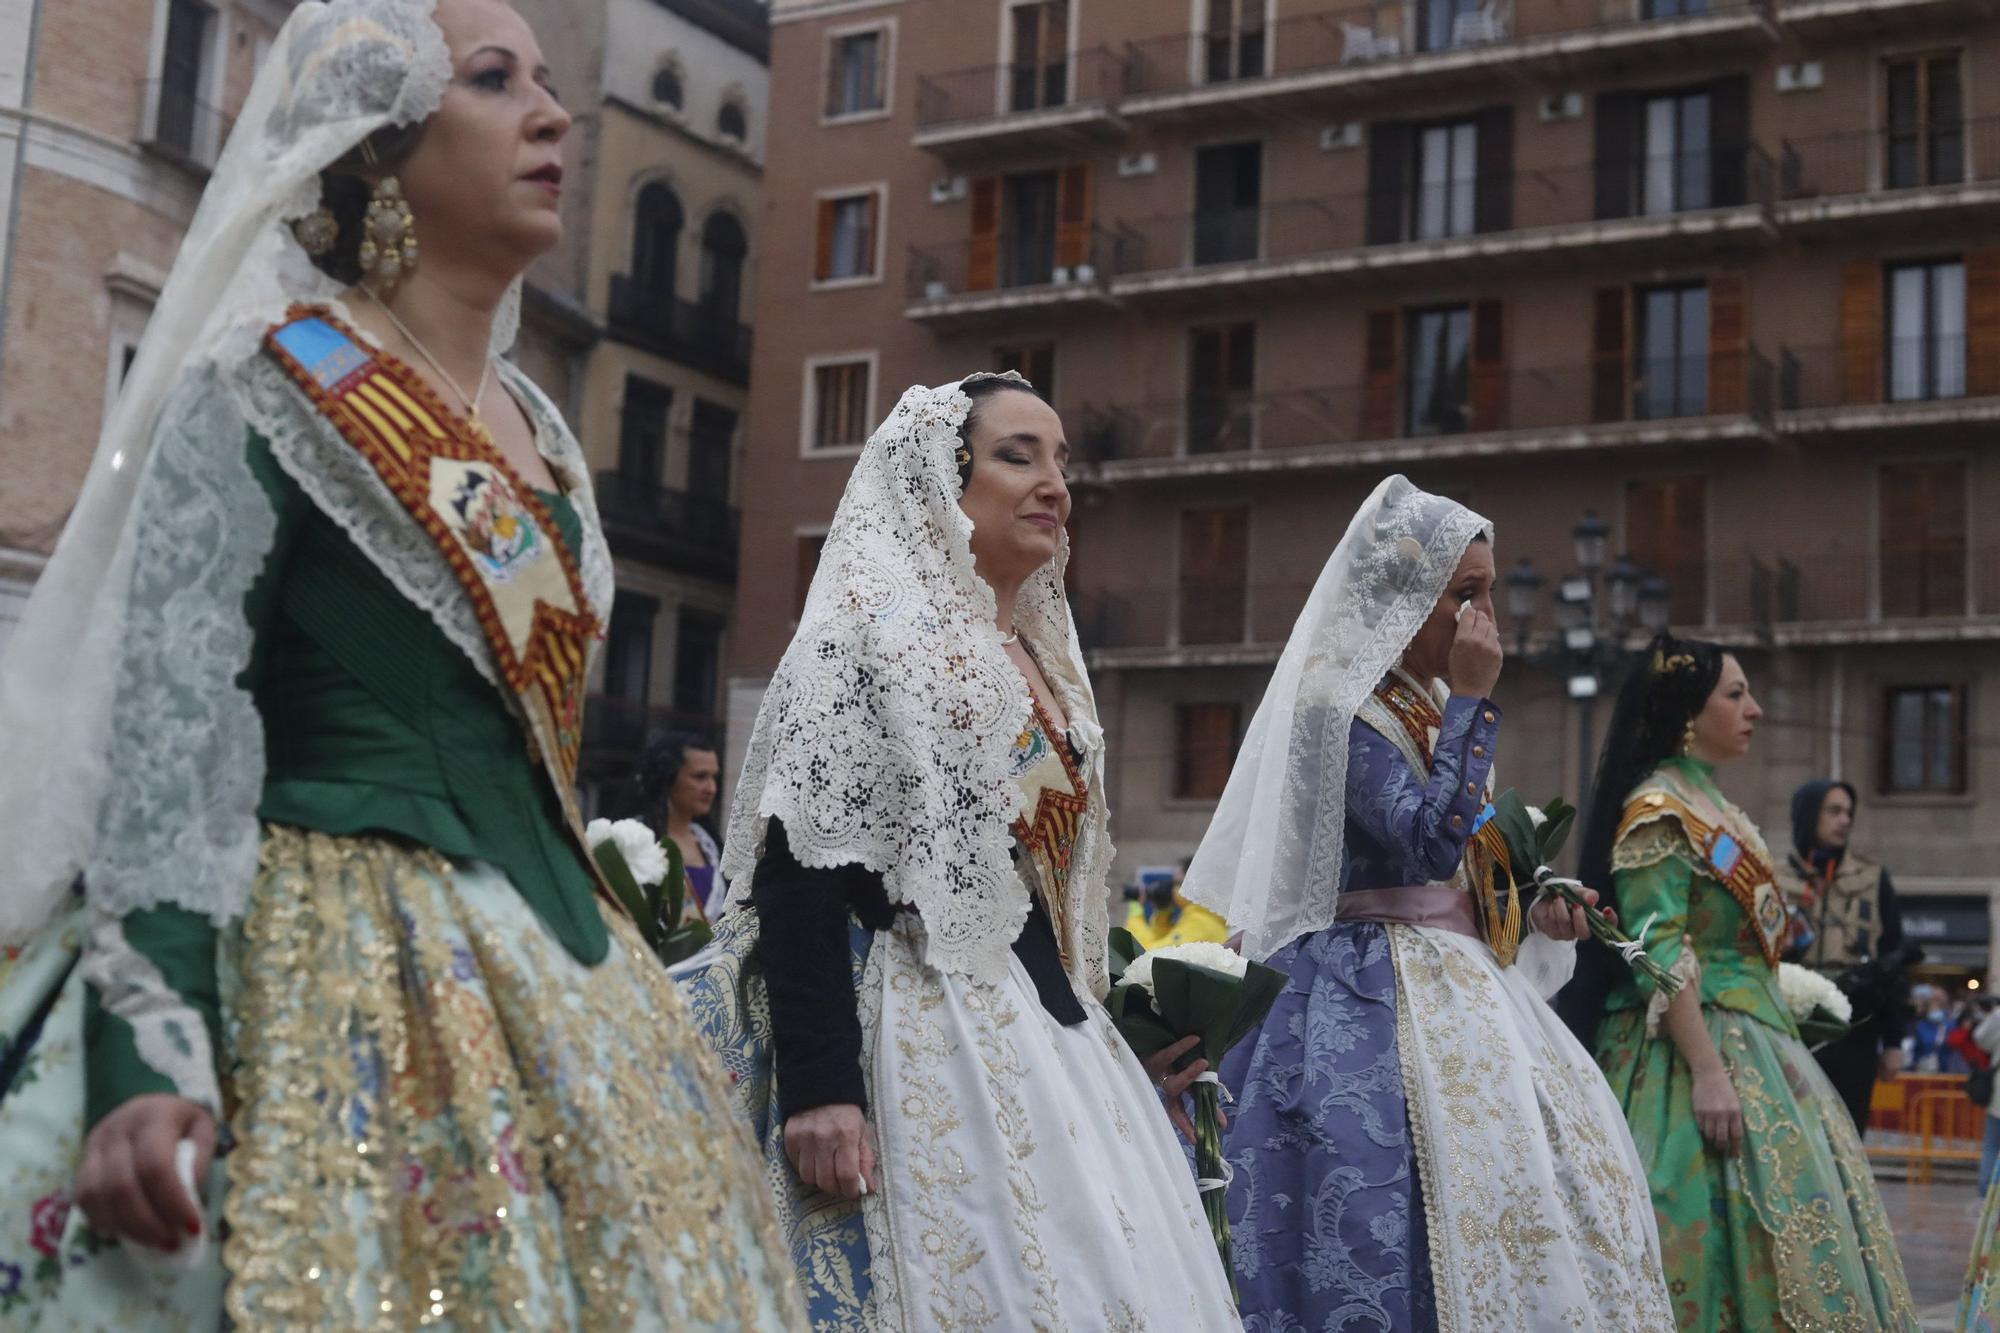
point(388, 236)
point(1687, 738)
point(317, 232)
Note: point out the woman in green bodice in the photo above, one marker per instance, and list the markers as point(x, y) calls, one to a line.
point(340, 1031)
point(1769, 1216)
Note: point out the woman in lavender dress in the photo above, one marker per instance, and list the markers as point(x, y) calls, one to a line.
point(1418, 1142)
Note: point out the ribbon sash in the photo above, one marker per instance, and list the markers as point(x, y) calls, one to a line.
point(1725, 856)
point(487, 523)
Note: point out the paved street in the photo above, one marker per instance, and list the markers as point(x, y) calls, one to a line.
point(1934, 1224)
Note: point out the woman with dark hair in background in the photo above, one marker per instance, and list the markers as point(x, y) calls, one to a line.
point(674, 788)
point(1769, 1216)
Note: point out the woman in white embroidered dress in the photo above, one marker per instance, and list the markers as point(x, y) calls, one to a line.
point(300, 685)
point(921, 837)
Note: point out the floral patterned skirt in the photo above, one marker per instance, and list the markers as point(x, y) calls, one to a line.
point(1789, 1233)
point(438, 1118)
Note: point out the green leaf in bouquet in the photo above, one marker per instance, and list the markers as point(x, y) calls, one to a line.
point(1554, 834)
point(633, 898)
point(1220, 1009)
point(1510, 819)
point(1124, 948)
point(685, 942)
point(1132, 1013)
point(670, 899)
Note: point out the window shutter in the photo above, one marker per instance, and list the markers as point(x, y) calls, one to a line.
point(1729, 141)
point(1378, 376)
point(1610, 397)
point(1728, 346)
point(1215, 547)
point(1617, 142)
point(982, 261)
point(1982, 323)
point(1073, 216)
point(823, 241)
point(1666, 532)
point(1861, 338)
point(1390, 144)
point(1487, 394)
point(1205, 740)
point(1902, 525)
point(871, 232)
point(1493, 195)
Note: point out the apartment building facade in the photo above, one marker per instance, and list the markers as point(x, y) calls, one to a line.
point(1721, 274)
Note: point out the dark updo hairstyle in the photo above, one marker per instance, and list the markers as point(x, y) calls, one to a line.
point(659, 768)
point(344, 191)
point(1665, 688)
point(979, 388)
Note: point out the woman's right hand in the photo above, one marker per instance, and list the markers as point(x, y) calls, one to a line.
point(829, 1148)
point(1718, 1112)
point(1476, 655)
point(127, 1185)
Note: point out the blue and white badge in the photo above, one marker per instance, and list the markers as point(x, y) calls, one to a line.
point(1724, 855)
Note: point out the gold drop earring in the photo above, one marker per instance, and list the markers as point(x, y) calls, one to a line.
point(388, 234)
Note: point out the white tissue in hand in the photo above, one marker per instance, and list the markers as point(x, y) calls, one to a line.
point(195, 1248)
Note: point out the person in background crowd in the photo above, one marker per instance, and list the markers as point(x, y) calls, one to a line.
point(679, 774)
point(1847, 925)
point(1986, 1035)
point(1162, 917)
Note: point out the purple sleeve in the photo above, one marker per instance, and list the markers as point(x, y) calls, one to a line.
point(1425, 818)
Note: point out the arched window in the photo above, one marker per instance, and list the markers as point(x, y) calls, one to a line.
point(667, 84)
point(656, 240)
point(732, 121)
point(723, 248)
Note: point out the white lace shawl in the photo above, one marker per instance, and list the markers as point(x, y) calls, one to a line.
point(137, 759)
point(885, 736)
point(1271, 861)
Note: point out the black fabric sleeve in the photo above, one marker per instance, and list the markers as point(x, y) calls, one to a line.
point(802, 914)
point(1036, 947)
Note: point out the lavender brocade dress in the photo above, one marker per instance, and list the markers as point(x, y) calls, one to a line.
point(1326, 1209)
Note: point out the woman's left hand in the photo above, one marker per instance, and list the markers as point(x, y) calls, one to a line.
point(1173, 1085)
point(1555, 918)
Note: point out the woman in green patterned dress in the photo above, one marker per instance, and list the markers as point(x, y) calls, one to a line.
point(340, 1033)
point(1769, 1217)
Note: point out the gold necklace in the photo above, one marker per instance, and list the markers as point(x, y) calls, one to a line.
point(485, 374)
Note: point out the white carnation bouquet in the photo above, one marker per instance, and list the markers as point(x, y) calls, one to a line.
point(651, 881)
point(1821, 1009)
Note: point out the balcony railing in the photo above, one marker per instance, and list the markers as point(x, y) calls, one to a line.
point(1873, 162)
point(1895, 371)
point(179, 125)
point(1863, 585)
point(1689, 390)
point(680, 330)
point(668, 527)
point(1093, 78)
point(1378, 35)
point(1010, 264)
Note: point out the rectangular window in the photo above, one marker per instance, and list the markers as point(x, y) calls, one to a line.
point(1036, 363)
point(1924, 113)
point(1926, 351)
point(697, 662)
point(1234, 43)
point(178, 114)
point(628, 650)
point(1040, 72)
point(1923, 527)
point(1221, 392)
point(1670, 371)
point(1214, 574)
point(642, 435)
point(1677, 167)
point(1672, 9)
point(1028, 229)
point(1228, 198)
point(1666, 534)
point(856, 73)
point(1926, 740)
point(840, 405)
point(1439, 362)
point(1447, 171)
point(1205, 741)
point(711, 442)
point(846, 245)
point(1438, 22)
point(805, 564)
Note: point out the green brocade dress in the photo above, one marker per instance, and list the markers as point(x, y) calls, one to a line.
point(1789, 1233)
point(455, 1096)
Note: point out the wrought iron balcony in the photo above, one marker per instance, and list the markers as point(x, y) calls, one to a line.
point(1067, 99)
point(680, 330)
point(669, 528)
point(960, 279)
point(177, 125)
point(1859, 175)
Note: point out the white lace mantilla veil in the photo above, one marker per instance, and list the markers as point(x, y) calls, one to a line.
point(171, 527)
point(885, 736)
point(1270, 863)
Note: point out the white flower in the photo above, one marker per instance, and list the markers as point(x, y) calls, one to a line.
point(1806, 990)
point(1201, 953)
point(644, 856)
point(1536, 817)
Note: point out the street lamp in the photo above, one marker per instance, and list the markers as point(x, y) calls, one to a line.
point(1586, 651)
